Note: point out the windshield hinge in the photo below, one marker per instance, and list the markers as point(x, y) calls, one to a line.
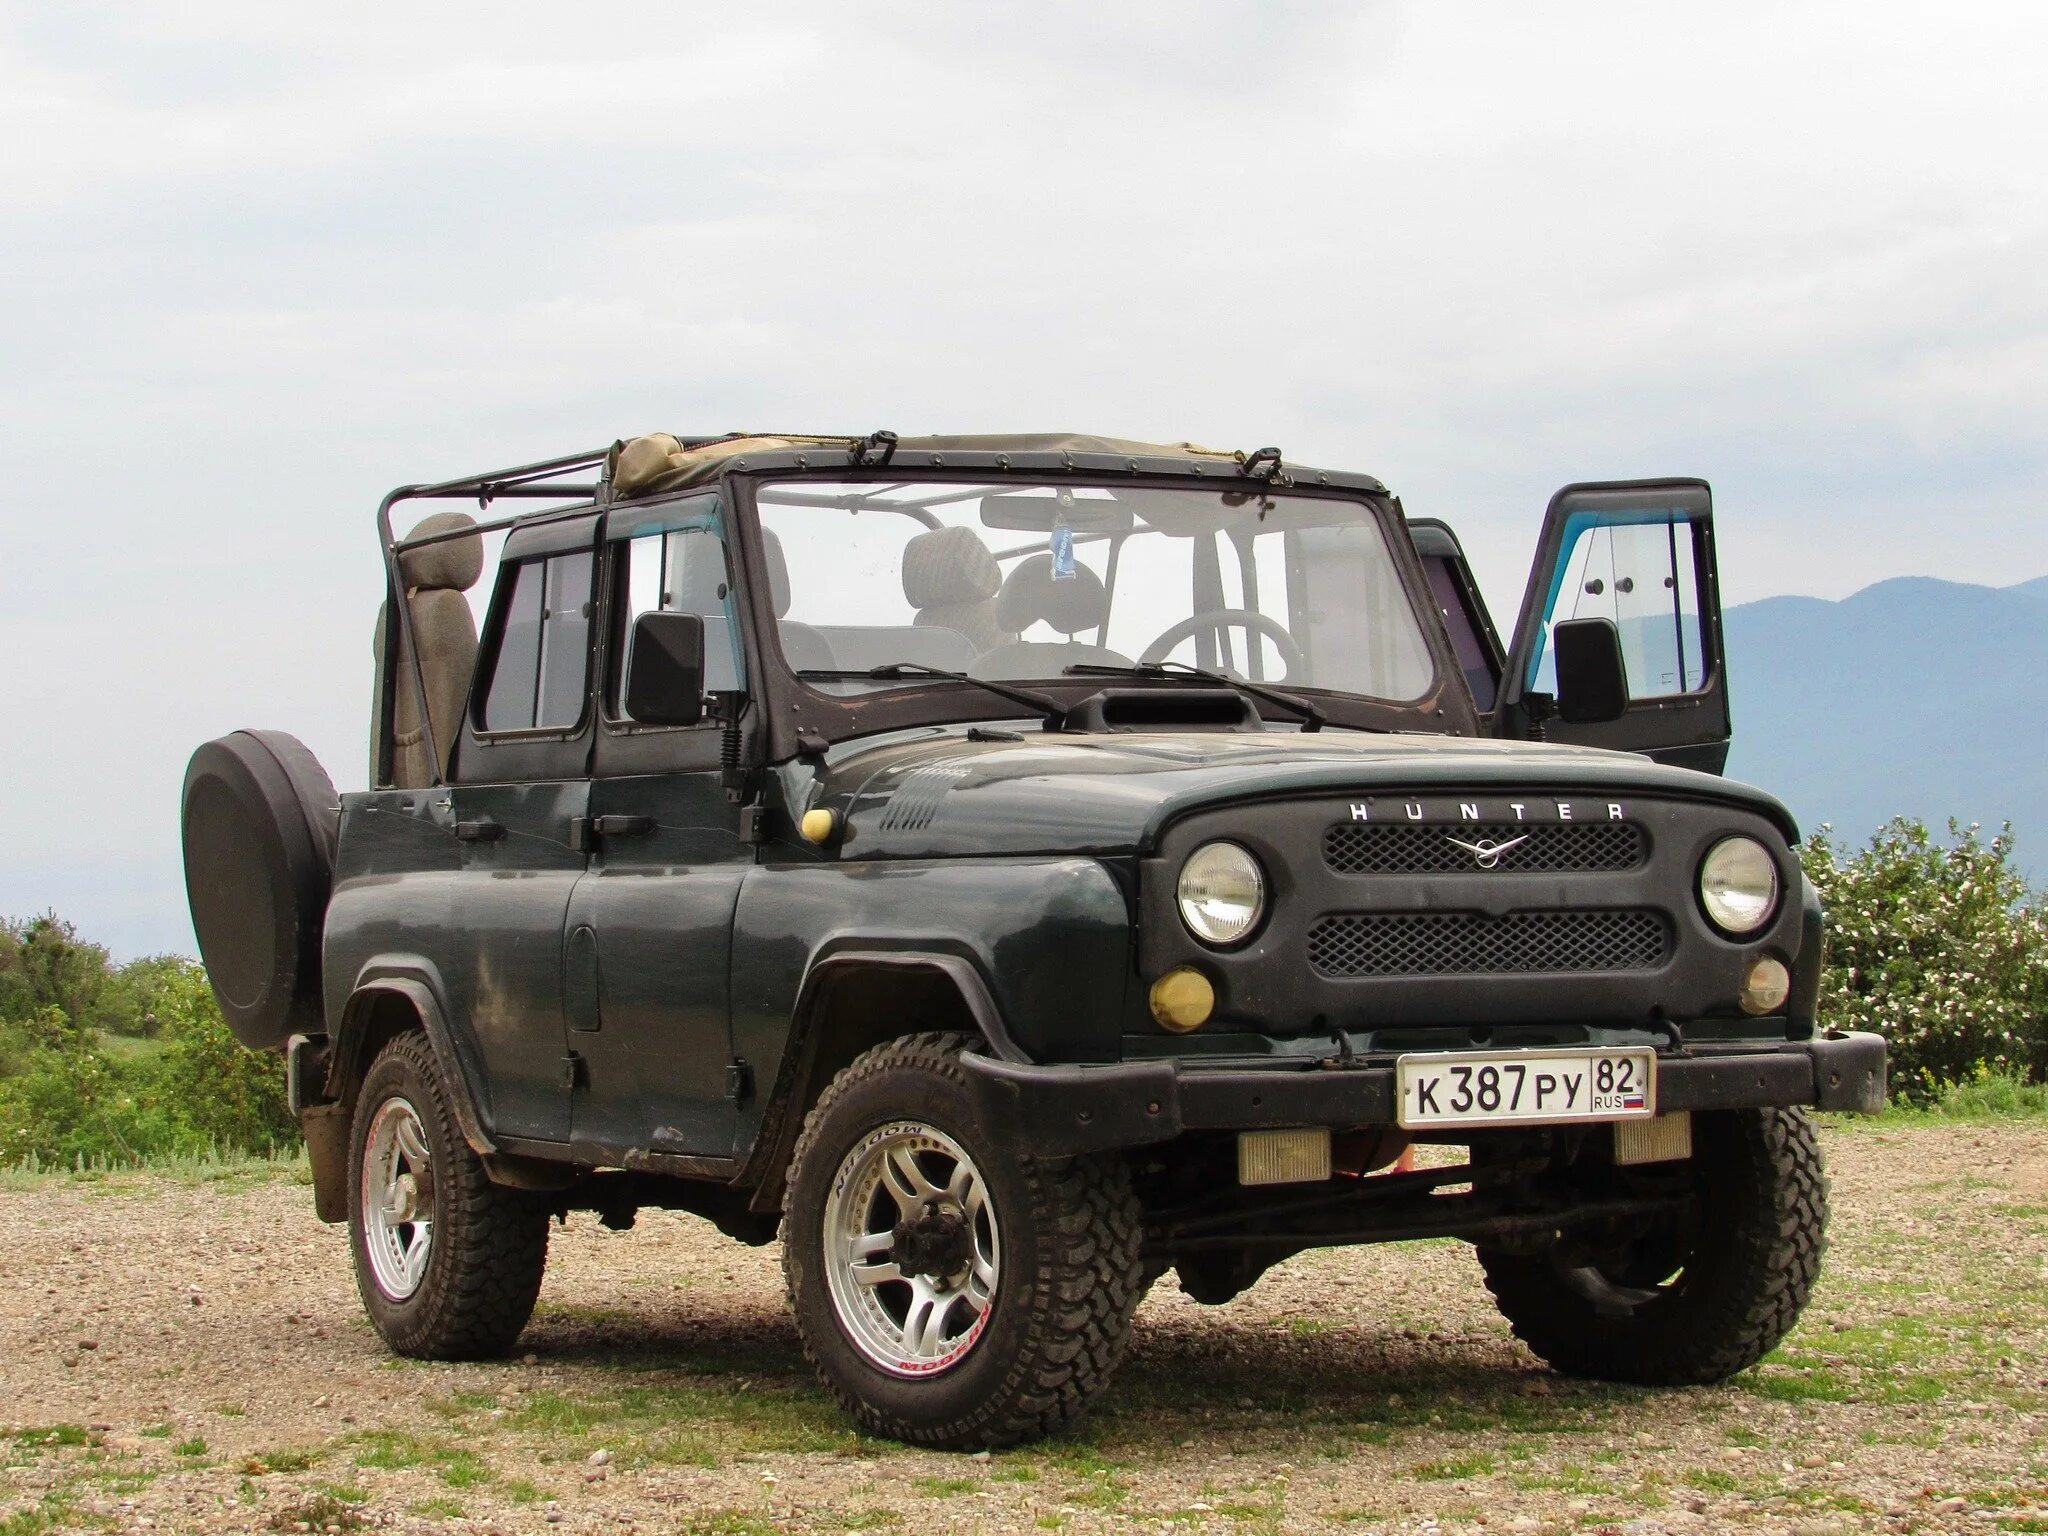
point(754, 821)
point(875, 450)
point(1264, 464)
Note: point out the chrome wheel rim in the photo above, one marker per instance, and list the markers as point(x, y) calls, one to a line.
point(913, 1253)
point(398, 1199)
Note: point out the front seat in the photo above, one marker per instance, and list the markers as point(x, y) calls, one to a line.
point(1031, 596)
point(435, 579)
point(802, 646)
point(951, 579)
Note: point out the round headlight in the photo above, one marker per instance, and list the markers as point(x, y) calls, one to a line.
point(1222, 893)
point(1739, 885)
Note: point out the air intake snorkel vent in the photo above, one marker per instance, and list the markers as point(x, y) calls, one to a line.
point(1163, 709)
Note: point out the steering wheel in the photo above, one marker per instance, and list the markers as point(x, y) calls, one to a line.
point(1220, 619)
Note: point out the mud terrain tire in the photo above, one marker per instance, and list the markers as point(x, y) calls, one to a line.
point(489, 1245)
point(1741, 1280)
point(1059, 1313)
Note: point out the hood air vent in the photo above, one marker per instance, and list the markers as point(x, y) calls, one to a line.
point(917, 798)
point(1163, 709)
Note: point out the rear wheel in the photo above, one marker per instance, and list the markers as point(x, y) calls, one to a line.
point(1692, 1298)
point(950, 1294)
point(448, 1264)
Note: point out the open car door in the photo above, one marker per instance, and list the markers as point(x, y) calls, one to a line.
point(1619, 641)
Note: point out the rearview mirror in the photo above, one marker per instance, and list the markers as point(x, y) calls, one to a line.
point(1592, 681)
point(1041, 514)
point(665, 669)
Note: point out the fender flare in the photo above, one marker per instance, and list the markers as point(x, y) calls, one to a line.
point(381, 979)
point(796, 1085)
point(965, 975)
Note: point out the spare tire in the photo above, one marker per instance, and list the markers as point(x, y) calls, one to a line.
point(260, 823)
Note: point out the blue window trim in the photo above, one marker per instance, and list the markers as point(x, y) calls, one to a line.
point(1576, 526)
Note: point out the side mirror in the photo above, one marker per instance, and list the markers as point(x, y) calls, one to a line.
point(1592, 681)
point(665, 669)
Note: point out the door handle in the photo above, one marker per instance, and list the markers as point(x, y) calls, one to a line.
point(483, 830)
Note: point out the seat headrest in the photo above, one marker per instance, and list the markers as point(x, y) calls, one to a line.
point(1030, 594)
point(778, 571)
point(452, 566)
point(947, 566)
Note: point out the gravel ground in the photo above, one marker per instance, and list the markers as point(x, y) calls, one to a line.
point(187, 1355)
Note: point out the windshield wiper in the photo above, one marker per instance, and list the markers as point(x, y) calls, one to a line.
point(892, 671)
point(1312, 719)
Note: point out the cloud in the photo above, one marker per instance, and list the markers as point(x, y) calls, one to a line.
point(265, 262)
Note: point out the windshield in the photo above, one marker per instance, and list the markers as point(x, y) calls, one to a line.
point(1021, 581)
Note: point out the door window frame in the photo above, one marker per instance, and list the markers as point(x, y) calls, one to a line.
point(1689, 728)
point(538, 752)
point(623, 746)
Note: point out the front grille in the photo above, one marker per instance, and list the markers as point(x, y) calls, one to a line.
point(1473, 944)
point(1412, 848)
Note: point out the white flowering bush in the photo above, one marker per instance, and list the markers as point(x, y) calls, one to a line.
point(1940, 948)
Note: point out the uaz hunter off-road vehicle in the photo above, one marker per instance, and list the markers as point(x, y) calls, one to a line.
point(1014, 867)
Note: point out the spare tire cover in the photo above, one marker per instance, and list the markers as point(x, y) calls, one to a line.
point(260, 822)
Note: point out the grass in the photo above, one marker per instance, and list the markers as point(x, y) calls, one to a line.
point(394, 1450)
point(130, 1048)
point(703, 1418)
point(1985, 1098)
point(322, 1511)
point(231, 1166)
point(279, 1461)
point(51, 1434)
point(50, 1515)
point(945, 1487)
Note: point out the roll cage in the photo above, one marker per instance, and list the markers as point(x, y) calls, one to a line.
point(802, 721)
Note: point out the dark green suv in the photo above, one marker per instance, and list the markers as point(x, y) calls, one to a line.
point(1011, 868)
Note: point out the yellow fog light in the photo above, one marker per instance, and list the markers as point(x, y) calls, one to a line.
point(817, 825)
point(1767, 985)
point(1183, 999)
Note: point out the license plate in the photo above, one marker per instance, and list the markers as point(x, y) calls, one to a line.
point(1525, 1087)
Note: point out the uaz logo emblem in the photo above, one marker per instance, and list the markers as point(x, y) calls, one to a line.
point(1488, 855)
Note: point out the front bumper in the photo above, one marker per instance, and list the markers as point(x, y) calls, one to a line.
point(1063, 1111)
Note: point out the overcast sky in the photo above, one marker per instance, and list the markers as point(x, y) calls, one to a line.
point(261, 262)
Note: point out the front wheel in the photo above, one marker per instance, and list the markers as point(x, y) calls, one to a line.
point(948, 1292)
point(448, 1264)
point(1693, 1298)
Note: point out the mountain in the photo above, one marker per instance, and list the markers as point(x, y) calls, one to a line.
point(1914, 697)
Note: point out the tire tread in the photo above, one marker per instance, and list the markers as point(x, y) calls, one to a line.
point(484, 1286)
point(1088, 1270)
point(1772, 1255)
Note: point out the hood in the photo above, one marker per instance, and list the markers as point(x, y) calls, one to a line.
point(945, 793)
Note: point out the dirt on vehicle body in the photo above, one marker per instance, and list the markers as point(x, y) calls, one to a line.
point(824, 836)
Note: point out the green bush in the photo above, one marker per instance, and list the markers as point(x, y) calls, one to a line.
point(1940, 949)
point(44, 964)
point(77, 1085)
